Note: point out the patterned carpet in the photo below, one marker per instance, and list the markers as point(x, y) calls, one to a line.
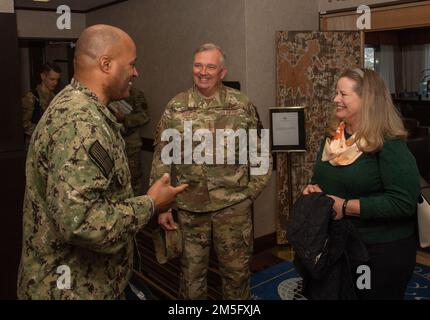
point(282, 282)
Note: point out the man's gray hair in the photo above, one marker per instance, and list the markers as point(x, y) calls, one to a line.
point(212, 46)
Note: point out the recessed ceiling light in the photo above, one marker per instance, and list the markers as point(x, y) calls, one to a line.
point(41, 0)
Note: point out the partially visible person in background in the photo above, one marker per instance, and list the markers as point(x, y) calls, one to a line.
point(35, 102)
point(133, 114)
point(365, 166)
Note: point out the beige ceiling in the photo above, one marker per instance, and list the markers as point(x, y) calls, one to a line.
point(75, 5)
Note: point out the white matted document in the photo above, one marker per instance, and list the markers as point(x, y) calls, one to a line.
point(285, 128)
point(288, 132)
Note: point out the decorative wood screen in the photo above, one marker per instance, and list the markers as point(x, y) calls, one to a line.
point(308, 65)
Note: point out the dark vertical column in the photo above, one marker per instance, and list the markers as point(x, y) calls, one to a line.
point(70, 56)
point(36, 52)
point(12, 157)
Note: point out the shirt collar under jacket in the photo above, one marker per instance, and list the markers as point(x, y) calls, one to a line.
point(219, 96)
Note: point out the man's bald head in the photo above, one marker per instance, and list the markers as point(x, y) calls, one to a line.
point(105, 62)
point(97, 41)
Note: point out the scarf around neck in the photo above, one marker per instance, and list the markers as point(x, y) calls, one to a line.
point(340, 151)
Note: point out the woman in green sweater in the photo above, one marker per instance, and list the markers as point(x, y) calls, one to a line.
point(366, 167)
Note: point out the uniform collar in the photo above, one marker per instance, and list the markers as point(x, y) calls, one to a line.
point(100, 106)
point(218, 97)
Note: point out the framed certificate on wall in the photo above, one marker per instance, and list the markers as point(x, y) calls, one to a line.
point(287, 129)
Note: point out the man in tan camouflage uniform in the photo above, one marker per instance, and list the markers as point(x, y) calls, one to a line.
point(133, 123)
point(35, 102)
point(80, 216)
point(217, 203)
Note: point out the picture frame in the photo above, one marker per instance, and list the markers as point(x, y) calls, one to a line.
point(287, 129)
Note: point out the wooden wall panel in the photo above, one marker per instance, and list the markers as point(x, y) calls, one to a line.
point(412, 15)
point(308, 65)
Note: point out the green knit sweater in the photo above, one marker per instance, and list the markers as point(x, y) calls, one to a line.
point(387, 185)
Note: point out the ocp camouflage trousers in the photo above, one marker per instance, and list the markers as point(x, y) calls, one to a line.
point(231, 231)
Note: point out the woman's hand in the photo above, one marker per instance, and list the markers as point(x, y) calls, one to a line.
point(311, 188)
point(337, 207)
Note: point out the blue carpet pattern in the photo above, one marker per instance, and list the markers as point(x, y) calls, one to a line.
point(282, 282)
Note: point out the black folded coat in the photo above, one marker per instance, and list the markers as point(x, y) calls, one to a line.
point(327, 252)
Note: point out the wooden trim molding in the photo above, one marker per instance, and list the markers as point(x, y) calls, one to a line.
point(74, 11)
point(408, 15)
point(105, 5)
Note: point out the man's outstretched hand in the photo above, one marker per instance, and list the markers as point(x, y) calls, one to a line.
point(163, 193)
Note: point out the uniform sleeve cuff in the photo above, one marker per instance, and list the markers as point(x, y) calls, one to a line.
point(144, 208)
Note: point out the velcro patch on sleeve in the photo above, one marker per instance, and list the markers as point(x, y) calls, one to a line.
point(100, 156)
